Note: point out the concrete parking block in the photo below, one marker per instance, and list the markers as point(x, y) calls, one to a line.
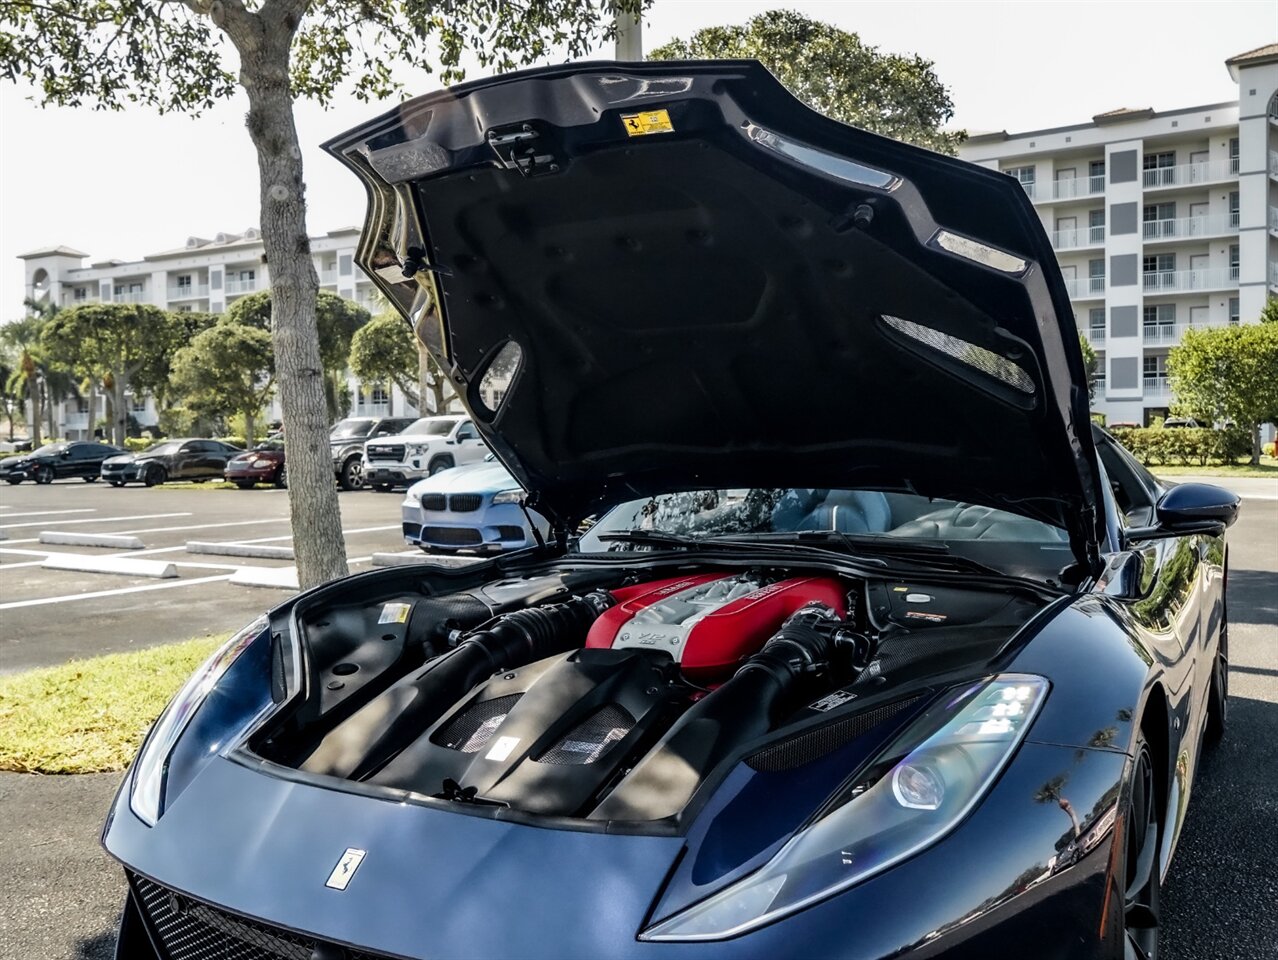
point(282, 578)
point(410, 557)
point(258, 550)
point(125, 566)
point(76, 539)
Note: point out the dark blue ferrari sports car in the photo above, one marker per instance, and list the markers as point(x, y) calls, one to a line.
point(918, 663)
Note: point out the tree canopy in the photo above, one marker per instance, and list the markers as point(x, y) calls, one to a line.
point(833, 71)
point(228, 369)
point(383, 351)
point(1228, 373)
point(336, 319)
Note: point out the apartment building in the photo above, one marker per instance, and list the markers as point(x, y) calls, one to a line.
point(1161, 222)
point(204, 274)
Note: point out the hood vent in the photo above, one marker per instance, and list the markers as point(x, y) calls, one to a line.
point(590, 739)
point(471, 729)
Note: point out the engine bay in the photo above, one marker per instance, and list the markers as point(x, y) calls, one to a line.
point(606, 696)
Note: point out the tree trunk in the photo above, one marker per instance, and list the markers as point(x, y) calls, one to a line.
point(33, 423)
point(1255, 445)
point(249, 418)
point(49, 411)
point(93, 408)
point(120, 425)
point(263, 46)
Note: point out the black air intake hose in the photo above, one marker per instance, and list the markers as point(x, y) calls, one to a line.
point(387, 724)
point(757, 697)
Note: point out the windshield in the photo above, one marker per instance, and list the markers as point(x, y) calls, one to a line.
point(270, 445)
point(49, 448)
point(431, 427)
point(161, 449)
point(1003, 540)
point(348, 429)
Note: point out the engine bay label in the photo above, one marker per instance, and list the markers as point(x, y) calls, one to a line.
point(832, 700)
point(395, 613)
point(650, 121)
point(502, 749)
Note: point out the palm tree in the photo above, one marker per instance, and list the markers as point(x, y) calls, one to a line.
point(23, 337)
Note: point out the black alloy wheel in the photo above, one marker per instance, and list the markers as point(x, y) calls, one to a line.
point(44, 474)
point(155, 475)
point(1141, 877)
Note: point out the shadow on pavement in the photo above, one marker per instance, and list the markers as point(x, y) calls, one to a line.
point(101, 947)
point(1218, 901)
point(1253, 596)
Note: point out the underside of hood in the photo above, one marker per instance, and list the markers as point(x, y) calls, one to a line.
point(696, 281)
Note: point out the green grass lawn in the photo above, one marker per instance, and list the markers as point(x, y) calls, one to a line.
point(89, 716)
point(1268, 467)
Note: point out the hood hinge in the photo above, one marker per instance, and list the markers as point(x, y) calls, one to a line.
point(517, 148)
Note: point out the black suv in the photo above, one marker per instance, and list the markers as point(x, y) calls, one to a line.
point(346, 441)
point(56, 460)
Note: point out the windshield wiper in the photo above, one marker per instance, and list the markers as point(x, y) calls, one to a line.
point(652, 538)
point(920, 552)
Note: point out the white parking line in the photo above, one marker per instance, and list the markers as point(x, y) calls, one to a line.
point(49, 513)
point(140, 516)
point(69, 598)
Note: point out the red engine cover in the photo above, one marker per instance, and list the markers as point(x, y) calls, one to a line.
point(708, 622)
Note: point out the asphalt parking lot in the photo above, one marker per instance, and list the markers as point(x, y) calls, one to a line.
point(62, 894)
point(49, 616)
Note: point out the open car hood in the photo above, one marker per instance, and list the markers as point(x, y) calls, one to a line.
point(710, 285)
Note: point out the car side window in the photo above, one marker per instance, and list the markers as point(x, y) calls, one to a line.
point(467, 432)
point(1132, 494)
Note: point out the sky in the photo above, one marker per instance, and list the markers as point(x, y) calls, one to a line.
point(119, 185)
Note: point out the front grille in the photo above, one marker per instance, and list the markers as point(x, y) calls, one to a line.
point(386, 451)
point(190, 930)
point(814, 744)
point(592, 738)
point(452, 536)
point(474, 726)
point(434, 501)
point(464, 502)
point(510, 533)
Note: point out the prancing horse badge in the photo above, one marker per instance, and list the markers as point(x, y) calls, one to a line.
point(345, 869)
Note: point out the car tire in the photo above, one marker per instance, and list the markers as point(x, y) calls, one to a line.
point(116, 483)
point(439, 464)
point(382, 487)
point(281, 477)
point(14, 480)
point(352, 474)
point(245, 484)
point(90, 479)
point(43, 475)
point(1138, 881)
point(154, 476)
point(1218, 699)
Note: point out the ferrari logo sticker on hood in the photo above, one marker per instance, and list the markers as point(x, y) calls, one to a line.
point(650, 121)
point(345, 869)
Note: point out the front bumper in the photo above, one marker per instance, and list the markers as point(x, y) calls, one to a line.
point(437, 883)
point(397, 474)
point(127, 473)
point(488, 529)
point(256, 474)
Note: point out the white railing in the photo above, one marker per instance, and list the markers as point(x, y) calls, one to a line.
point(1273, 274)
point(1028, 187)
point(1188, 227)
point(1087, 287)
point(1072, 187)
point(191, 291)
point(1273, 162)
point(133, 296)
point(69, 299)
point(328, 276)
point(1098, 385)
point(1078, 237)
point(1186, 173)
point(241, 286)
point(1169, 334)
point(1273, 219)
point(1233, 164)
point(1170, 281)
point(1157, 386)
point(1096, 336)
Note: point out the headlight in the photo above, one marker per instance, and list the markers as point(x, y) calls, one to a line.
point(223, 698)
point(508, 496)
point(417, 449)
point(917, 789)
point(261, 464)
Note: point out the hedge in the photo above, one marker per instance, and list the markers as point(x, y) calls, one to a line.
point(1185, 445)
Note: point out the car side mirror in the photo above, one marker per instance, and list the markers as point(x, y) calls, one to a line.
point(65, 455)
point(1189, 508)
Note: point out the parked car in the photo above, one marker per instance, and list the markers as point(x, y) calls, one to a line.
point(426, 447)
point(473, 508)
point(195, 459)
point(897, 672)
point(55, 461)
point(263, 464)
point(346, 441)
point(1174, 422)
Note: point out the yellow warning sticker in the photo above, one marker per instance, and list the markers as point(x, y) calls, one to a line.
point(395, 613)
point(650, 121)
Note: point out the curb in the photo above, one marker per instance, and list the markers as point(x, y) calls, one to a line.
point(282, 578)
point(124, 566)
point(417, 557)
point(114, 541)
point(260, 551)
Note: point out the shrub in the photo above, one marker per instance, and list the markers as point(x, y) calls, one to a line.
point(1185, 445)
point(137, 444)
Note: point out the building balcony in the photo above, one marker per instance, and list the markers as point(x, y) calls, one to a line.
point(1273, 219)
point(76, 421)
point(1169, 334)
point(1030, 188)
point(1078, 237)
point(241, 286)
point(328, 277)
point(1273, 163)
point(1273, 276)
point(1178, 281)
point(1095, 336)
point(190, 291)
point(1188, 228)
point(1098, 386)
point(1072, 188)
point(71, 300)
point(1186, 174)
point(1157, 387)
point(135, 296)
point(1088, 288)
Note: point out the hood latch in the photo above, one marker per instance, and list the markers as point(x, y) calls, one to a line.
point(521, 147)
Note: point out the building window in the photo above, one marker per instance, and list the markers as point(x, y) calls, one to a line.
point(1233, 208)
point(184, 283)
point(1234, 312)
point(1159, 220)
point(1096, 276)
point(1233, 155)
point(1096, 324)
point(183, 308)
point(1159, 161)
point(139, 404)
point(80, 294)
point(379, 396)
point(1096, 225)
point(247, 276)
point(1159, 169)
point(1161, 263)
point(1096, 176)
point(1233, 261)
point(1026, 176)
point(1163, 314)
